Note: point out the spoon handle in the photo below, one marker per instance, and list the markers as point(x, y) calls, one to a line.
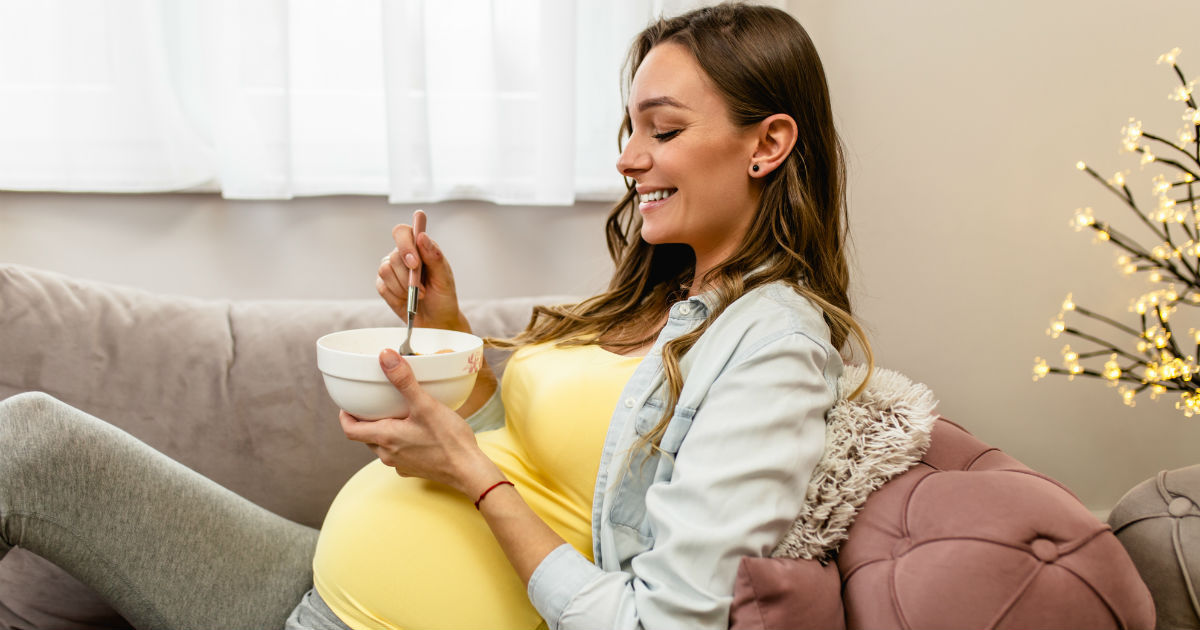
point(414, 277)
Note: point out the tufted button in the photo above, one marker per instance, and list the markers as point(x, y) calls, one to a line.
point(1179, 506)
point(901, 547)
point(685, 309)
point(1045, 550)
point(630, 402)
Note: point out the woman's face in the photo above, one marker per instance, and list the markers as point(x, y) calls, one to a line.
point(684, 145)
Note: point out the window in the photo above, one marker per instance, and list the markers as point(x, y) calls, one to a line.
point(511, 101)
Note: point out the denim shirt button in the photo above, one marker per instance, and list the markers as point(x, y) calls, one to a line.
point(685, 309)
point(630, 402)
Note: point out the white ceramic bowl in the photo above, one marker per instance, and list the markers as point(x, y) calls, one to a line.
point(349, 361)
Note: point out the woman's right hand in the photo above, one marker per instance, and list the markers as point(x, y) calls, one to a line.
point(438, 303)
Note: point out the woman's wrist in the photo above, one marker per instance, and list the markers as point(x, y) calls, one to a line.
point(483, 495)
point(463, 324)
point(478, 475)
point(459, 323)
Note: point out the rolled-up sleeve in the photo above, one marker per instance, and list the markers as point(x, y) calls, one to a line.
point(488, 417)
point(737, 485)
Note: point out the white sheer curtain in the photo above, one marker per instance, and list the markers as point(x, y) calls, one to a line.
point(511, 101)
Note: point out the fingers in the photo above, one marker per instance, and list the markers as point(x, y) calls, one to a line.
point(401, 375)
point(437, 272)
point(405, 247)
point(423, 249)
point(358, 430)
point(407, 254)
point(438, 306)
point(398, 305)
point(370, 433)
point(392, 280)
point(393, 274)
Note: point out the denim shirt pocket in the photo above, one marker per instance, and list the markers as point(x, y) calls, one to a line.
point(648, 466)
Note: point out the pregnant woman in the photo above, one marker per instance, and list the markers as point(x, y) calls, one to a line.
point(640, 444)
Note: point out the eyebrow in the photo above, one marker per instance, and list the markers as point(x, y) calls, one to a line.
point(660, 101)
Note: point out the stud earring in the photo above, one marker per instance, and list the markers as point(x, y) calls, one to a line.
point(754, 168)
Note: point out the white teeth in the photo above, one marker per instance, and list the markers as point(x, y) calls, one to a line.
point(656, 195)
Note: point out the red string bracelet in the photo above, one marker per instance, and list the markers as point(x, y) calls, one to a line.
point(485, 492)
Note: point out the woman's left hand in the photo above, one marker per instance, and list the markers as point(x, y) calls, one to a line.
point(432, 442)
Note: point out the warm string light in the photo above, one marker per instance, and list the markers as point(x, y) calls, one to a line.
point(1147, 357)
point(1183, 93)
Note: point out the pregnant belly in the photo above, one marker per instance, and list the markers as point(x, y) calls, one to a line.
point(400, 552)
point(409, 553)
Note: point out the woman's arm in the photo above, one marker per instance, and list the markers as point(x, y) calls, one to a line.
point(524, 536)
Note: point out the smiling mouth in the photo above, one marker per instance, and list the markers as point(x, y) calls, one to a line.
point(657, 195)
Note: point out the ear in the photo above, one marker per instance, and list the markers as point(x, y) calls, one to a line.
point(776, 135)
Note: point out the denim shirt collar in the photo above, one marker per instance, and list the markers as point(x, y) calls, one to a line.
point(695, 307)
point(705, 302)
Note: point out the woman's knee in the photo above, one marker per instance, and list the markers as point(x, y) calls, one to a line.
point(31, 421)
point(28, 403)
point(20, 411)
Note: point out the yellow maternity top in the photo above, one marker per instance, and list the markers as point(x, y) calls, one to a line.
point(410, 553)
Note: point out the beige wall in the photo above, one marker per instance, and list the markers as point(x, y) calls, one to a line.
point(963, 121)
point(325, 247)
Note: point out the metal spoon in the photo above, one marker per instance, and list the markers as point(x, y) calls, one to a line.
point(414, 276)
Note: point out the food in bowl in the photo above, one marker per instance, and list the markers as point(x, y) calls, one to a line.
point(446, 364)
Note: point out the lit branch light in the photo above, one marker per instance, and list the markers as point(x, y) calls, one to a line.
point(1154, 355)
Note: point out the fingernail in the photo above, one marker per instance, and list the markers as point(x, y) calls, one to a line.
point(389, 359)
point(411, 261)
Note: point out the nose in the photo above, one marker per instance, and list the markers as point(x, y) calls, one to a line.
point(633, 160)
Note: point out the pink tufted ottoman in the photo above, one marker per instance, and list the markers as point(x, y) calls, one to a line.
point(967, 538)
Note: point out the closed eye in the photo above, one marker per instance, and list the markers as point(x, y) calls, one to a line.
point(666, 135)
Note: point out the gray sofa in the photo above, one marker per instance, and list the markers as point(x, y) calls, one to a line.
point(228, 388)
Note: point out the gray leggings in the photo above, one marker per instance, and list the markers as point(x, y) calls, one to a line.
point(166, 546)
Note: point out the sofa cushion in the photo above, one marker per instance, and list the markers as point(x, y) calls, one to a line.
point(767, 594)
point(1159, 523)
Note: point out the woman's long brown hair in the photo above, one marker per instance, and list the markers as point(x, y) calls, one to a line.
point(763, 63)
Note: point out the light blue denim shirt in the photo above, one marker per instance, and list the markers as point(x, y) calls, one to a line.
point(736, 458)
